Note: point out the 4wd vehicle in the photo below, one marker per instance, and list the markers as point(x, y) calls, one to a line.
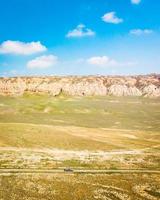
point(69, 170)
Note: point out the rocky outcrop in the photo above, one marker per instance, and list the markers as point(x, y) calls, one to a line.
point(147, 86)
point(151, 90)
point(123, 90)
point(85, 88)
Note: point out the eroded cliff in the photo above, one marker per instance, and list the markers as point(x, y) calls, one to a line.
point(147, 86)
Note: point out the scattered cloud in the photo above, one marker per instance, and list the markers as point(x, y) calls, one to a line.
point(112, 18)
point(42, 62)
point(21, 48)
point(80, 31)
point(135, 1)
point(105, 61)
point(139, 32)
point(101, 61)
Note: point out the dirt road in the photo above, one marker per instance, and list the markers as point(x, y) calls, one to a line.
point(77, 171)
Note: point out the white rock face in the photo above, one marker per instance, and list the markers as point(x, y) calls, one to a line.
point(118, 90)
point(52, 88)
point(123, 90)
point(85, 89)
point(151, 91)
point(133, 91)
point(147, 86)
point(12, 87)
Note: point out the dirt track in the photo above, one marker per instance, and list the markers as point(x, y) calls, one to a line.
point(75, 171)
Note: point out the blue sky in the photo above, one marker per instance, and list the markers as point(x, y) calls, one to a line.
point(72, 37)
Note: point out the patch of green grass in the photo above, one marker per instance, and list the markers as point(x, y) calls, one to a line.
point(31, 136)
point(141, 117)
point(111, 112)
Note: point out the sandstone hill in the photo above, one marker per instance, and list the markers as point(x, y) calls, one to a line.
point(146, 85)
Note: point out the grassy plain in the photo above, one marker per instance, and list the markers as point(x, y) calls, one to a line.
point(79, 187)
point(44, 132)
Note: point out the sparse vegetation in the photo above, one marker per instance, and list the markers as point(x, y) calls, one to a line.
point(81, 187)
point(44, 132)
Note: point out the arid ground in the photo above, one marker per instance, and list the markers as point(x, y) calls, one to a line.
point(108, 146)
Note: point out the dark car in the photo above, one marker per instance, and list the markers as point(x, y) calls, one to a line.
point(69, 170)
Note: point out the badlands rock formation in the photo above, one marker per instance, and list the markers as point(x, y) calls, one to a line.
point(147, 86)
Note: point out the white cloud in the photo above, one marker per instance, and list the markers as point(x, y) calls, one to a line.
point(112, 18)
point(101, 61)
point(80, 31)
point(135, 1)
point(105, 61)
point(21, 48)
point(139, 32)
point(42, 62)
